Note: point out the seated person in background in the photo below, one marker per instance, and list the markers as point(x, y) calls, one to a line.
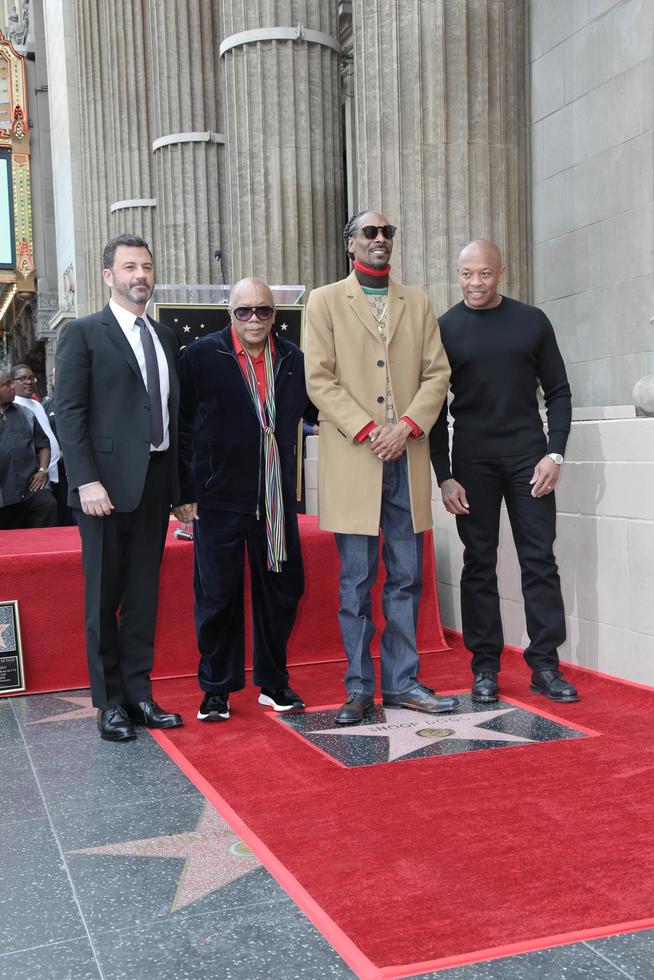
point(242, 397)
point(24, 459)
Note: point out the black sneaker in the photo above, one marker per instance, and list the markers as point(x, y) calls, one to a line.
point(281, 699)
point(214, 707)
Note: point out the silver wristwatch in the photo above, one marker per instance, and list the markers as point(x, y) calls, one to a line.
point(557, 457)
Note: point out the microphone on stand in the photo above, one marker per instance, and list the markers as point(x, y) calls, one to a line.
point(218, 256)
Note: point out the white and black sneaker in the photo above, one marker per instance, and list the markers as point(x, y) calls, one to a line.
point(281, 699)
point(214, 707)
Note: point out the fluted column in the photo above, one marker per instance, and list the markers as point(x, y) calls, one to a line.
point(441, 132)
point(283, 133)
point(127, 143)
point(92, 218)
point(187, 139)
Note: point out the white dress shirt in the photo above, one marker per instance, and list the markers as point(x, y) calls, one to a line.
point(55, 449)
point(127, 322)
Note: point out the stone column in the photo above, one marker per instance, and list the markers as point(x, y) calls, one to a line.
point(283, 132)
point(441, 132)
point(187, 139)
point(89, 157)
point(127, 143)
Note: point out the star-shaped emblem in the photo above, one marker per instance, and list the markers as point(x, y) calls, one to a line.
point(409, 731)
point(214, 856)
point(3, 627)
point(187, 329)
point(284, 326)
point(85, 710)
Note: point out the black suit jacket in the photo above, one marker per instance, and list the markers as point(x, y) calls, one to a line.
point(103, 409)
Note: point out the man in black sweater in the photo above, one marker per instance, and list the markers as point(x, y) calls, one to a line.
point(500, 350)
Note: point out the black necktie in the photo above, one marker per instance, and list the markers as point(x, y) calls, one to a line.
point(154, 389)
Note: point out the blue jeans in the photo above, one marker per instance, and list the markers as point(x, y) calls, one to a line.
point(402, 557)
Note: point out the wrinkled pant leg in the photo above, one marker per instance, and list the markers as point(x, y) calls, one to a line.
point(275, 598)
point(359, 554)
point(479, 532)
point(402, 555)
point(219, 541)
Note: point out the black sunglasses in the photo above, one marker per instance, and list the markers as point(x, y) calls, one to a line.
point(244, 313)
point(371, 231)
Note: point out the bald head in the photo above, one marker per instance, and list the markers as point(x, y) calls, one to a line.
point(246, 286)
point(480, 272)
point(482, 247)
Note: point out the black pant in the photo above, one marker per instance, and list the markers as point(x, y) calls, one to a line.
point(38, 509)
point(64, 512)
point(533, 523)
point(220, 540)
point(121, 555)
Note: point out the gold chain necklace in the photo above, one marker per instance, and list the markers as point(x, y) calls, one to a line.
point(379, 307)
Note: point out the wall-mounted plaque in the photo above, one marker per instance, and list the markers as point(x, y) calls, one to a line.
point(12, 674)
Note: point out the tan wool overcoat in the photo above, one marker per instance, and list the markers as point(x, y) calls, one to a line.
point(346, 379)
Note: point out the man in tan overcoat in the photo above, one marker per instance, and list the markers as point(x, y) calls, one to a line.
point(378, 374)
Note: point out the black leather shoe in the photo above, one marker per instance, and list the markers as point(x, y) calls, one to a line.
point(149, 713)
point(484, 687)
point(355, 708)
point(114, 725)
point(422, 698)
point(553, 685)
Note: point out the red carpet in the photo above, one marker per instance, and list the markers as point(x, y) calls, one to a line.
point(42, 569)
point(427, 863)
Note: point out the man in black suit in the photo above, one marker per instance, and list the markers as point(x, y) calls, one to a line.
point(117, 401)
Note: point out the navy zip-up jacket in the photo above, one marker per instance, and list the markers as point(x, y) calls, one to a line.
point(220, 441)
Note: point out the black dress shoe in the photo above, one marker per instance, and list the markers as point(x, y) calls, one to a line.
point(114, 725)
point(484, 687)
point(149, 713)
point(356, 707)
point(421, 698)
point(553, 685)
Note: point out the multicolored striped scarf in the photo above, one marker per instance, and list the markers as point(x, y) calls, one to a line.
point(275, 534)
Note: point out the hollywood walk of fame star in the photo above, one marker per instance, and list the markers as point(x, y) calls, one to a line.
point(214, 856)
point(409, 731)
point(85, 710)
point(3, 627)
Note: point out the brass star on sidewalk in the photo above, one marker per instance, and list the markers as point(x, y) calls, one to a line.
point(409, 731)
point(85, 710)
point(214, 856)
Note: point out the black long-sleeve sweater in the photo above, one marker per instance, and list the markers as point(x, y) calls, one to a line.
point(498, 358)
